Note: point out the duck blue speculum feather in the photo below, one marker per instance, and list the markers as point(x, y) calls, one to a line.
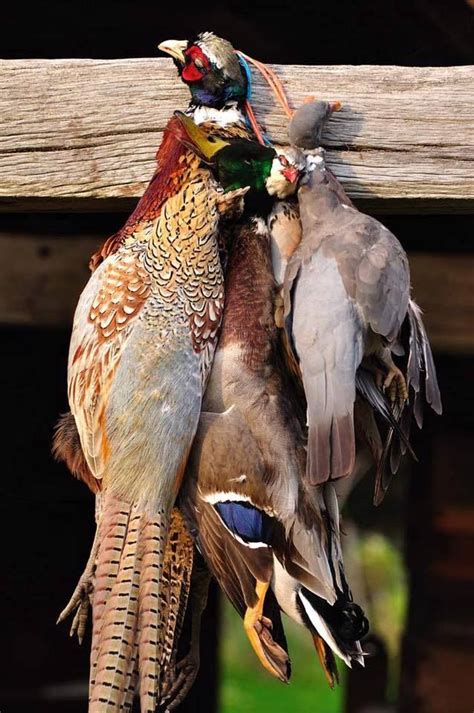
point(246, 521)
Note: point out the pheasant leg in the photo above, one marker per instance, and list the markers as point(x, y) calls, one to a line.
point(80, 600)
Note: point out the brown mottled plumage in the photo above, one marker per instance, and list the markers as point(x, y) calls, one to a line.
point(142, 344)
point(67, 447)
point(249, 455)
point(157, 297)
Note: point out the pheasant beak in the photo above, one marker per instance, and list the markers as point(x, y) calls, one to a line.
point(175, 48)
point(291, 174)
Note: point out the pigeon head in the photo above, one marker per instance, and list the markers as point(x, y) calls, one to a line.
point(210, 67)
point(287, 167)
point(308, 122)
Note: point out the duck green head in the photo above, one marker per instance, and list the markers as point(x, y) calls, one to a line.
point(241, 162)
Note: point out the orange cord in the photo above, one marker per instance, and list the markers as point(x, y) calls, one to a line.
point(253, 122)
point(274, 82)
point(275, 85)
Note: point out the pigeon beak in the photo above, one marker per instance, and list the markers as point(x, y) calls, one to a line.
point(175, 48)
point(291, 174)
point(335, 106)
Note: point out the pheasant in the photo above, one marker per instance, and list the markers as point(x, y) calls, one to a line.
point(143, 264)
point(143, 339)
point(347, 302)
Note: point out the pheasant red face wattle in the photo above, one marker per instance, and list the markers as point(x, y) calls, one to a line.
point(197, 64)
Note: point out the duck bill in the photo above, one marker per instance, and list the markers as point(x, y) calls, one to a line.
point(175, 48)
point(200, 143)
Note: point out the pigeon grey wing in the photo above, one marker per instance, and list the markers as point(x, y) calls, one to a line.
point(421, 371)
point(337, 188)
point(328, 336)
point(382, 278)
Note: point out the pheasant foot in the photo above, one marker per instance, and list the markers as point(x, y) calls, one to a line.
point(81, 597)
point(186, 670)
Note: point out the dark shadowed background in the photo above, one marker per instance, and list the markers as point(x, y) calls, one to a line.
point(428, 519)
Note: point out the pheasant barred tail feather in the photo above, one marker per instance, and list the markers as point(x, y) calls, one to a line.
point(176, 579)
point(127, 641)
point(150, 637)
point(112, 527)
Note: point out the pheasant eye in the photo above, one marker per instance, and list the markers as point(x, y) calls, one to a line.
point(199, 64)
point(284, 161)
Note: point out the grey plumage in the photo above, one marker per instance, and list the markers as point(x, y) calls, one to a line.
point(347, 296)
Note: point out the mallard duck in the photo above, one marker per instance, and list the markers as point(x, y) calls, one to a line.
point(271, 542)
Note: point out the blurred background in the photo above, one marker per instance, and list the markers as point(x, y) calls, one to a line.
point(409, 561)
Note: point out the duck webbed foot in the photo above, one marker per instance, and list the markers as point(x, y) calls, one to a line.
point(258, 629)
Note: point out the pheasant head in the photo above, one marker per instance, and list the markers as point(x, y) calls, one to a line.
point(210, 67)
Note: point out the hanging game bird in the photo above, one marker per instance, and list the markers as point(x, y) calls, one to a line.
point(348, 307)
point(143, 339)
point(270, 543)
point(152, 305)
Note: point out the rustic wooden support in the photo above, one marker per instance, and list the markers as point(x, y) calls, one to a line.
point(82, 134)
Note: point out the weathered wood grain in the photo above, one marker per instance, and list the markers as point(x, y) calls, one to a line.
point(82, 134)
point(42, 276)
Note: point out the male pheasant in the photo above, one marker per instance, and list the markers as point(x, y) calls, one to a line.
point(143, 339)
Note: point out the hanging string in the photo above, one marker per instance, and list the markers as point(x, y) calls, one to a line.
point(254, 124)
point(272, 80)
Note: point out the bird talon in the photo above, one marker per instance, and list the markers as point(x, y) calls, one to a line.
point(177, 687)
point(395, 386)
point(79, 603)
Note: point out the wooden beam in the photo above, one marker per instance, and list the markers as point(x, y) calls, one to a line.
point(82, 134)
point(42, 275)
